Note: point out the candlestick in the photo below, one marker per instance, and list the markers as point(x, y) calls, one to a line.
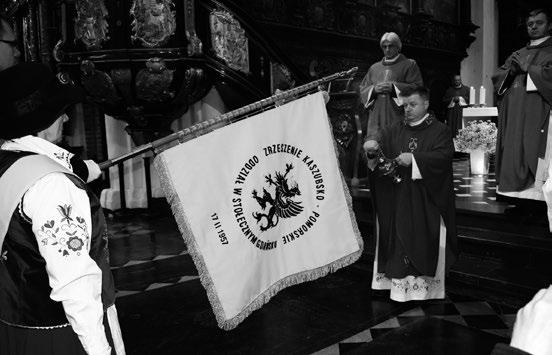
point(482, 94)
point(472, 96)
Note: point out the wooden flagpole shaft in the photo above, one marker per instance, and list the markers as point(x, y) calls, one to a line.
point(194, 130)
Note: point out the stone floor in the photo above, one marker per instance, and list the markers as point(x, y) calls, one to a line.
point(465, 311)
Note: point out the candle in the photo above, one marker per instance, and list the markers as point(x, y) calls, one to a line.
point(482, 96)
point(472, 95)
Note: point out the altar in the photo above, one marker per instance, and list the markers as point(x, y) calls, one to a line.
point(479, 113)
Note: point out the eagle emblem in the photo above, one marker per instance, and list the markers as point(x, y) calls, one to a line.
point(282, 204)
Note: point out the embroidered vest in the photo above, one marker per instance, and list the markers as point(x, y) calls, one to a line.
point(24, 288)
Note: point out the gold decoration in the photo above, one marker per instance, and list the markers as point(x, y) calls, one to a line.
point(90, 24)
point(229, 41)
point(153, 22)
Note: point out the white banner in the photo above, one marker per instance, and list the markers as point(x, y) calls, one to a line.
point(262, 205)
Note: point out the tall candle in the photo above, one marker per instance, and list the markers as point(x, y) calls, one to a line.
point(482, 94)
point(472, 95)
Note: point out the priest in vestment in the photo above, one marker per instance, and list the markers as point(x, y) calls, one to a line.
point(524, 87)
point(456, 98)
point(382, 85)
point(416, 229)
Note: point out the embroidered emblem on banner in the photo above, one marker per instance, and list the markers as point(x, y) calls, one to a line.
point(281, 205)
point(283, 211)
point(413, 144)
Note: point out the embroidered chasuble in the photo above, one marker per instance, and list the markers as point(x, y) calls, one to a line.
point(416, 218)
point(385, 109)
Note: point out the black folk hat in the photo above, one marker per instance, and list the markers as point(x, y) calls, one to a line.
point(32, 98)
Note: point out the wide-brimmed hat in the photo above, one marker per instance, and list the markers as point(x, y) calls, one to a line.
point(32, 98)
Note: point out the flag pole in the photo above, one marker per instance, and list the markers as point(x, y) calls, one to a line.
point(195, 130)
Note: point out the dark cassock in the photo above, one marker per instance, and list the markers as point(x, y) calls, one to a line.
point(386, 108)
point(416, 229)
point(456, 98)
point(522, 155)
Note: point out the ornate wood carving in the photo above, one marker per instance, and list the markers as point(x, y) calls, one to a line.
point(153, 22)
point(122, 79)
point(29, 35)
point(44, 36)
point(356, 18)
point(228, 40)
point(98, 84)
point(153, 83)
point(91, 26)
point(195, 46)
point(281, 77)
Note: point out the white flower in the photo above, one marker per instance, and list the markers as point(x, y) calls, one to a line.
point(477, 135)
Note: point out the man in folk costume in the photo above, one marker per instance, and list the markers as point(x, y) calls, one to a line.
point(416, 230)
point(524, 87)
point(456, 98)
point(56, 289)
point(382, 85)
point(88, 170)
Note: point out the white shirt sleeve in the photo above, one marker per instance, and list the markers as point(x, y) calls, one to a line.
point(416, 174)
point(61, 222)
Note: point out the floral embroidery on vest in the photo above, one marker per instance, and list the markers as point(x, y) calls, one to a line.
point(65, 157)
point(69, 234)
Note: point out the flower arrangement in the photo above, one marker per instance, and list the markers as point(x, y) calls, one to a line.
point(477, 135)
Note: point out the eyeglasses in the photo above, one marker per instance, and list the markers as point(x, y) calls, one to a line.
point(12, 43)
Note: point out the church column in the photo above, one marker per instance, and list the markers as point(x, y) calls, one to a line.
point(482, 61)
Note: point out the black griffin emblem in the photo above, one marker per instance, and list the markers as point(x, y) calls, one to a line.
point(413, 144)
point(279, 206)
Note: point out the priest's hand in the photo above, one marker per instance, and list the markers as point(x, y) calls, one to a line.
point(534, 325)
point(383, 88)
point(371, 148)
point(404, 159)
point(518, 64)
